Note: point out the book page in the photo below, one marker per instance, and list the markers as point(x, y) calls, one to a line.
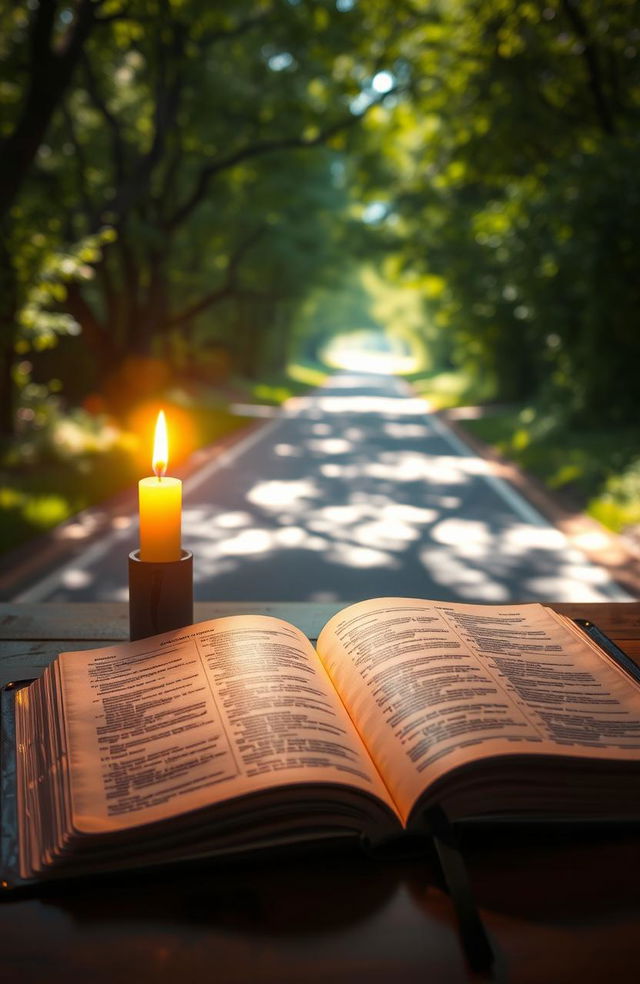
point(431, 686)
point(217, 710)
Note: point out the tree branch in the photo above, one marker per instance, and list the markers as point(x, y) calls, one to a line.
point(228, 289)
point(167, 103)
point(80, 163)
point(167, 94)
point(50, 72)
point(117, 140)
point(212, 37)
point(99, 339)
point(594, 75)
point(112, 296)
point(194, 309)
point(257, 149)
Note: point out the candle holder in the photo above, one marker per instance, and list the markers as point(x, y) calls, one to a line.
point(160, 595)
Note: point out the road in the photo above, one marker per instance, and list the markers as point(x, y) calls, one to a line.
point(353, 491)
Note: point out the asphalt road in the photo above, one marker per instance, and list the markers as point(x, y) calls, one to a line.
point(354, 491)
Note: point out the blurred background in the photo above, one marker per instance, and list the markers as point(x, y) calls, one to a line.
point(211, 206)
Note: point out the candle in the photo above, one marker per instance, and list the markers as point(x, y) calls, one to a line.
point(160, 501)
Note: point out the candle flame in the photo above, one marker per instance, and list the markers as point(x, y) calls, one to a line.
point(160, 446)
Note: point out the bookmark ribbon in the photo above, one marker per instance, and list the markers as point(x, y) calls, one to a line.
point(473, 935)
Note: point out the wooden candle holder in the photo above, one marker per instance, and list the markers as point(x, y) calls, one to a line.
point(160, 595)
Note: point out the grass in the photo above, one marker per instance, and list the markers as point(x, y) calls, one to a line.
point(296, 380)
point(453, 388)
point(597, 470)
point(40, 494)
point(24, 512)
point(76, 460)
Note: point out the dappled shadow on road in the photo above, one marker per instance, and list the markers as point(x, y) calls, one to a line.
point(356, 491)
point(360, 493)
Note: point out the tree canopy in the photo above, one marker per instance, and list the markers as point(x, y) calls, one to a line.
point(515, 191)
point(177, 179)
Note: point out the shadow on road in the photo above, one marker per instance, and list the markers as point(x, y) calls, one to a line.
point(355, 491)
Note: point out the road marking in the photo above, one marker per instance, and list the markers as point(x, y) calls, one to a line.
point(293, 408)
point(507, 493)
point(522, 508)
point(228, 457)
point(41, 589)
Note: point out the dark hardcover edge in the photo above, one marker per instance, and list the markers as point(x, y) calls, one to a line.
point(9, 877)
point(611, 648)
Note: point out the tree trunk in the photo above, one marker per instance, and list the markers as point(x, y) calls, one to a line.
point(151, 311)
point(279, 341)
point(50, 71)
point(99, 338)
point(249, 328)
point(8, 332)
point(7, 409)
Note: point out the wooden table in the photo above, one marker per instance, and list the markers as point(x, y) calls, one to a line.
point(560, 905)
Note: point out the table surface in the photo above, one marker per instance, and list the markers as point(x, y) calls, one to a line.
point(561, 904)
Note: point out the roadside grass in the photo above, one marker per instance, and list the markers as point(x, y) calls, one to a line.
point(298, 379)
point(75, 459)
point(452, 388)
point(41, 486)
point(40, 495)
point(597, 470)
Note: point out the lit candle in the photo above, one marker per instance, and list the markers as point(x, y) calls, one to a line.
point(160, 500)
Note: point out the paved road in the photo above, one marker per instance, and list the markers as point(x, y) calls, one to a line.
point(352, 492)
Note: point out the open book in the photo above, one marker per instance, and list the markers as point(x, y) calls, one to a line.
point(235, 734)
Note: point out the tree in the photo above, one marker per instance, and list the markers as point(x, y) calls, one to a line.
point(167, 138)
point(40, 49)
point(517, 159)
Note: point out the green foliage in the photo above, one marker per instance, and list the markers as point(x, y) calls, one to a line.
point(185, 142)
point(75, 460)
point(41, 317)
point(25, 512)
point(515, 177)
point(452, 388)
point(81, 458)
point(294, 381)
point(598, 469)
point(217, 186)
point(618, 505)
